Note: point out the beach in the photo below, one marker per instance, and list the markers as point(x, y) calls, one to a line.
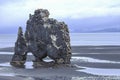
point(87, 63)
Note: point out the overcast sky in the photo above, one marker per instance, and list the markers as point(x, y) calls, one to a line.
point(15, 12)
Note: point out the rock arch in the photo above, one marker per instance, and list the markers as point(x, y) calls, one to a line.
point(43, 37)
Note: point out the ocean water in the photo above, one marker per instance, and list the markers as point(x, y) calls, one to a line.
point(77, 39)
point(7, 40)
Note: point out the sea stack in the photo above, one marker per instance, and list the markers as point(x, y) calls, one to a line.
point(43, 37)
point(19, 56)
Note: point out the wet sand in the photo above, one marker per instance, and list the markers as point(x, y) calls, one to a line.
point(88, 63)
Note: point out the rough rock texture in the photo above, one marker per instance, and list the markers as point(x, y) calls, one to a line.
point(19, 57)
point(44, 37)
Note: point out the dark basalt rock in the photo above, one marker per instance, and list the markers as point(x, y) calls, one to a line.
point(19, 57)
point(44, 37)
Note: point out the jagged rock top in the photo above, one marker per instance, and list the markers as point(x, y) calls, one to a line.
point(39, 14)
point(44, 37)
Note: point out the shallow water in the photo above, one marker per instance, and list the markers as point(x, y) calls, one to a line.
point(97, 71)
point(94, 71)
point(11, 53)
point(103, 72)
point(28, 65)
point(7, 53)
point(93, 60)
point(9, 74)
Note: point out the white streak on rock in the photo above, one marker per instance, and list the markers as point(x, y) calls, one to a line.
point(53, 37)
point(47, 25)
point(42, 14)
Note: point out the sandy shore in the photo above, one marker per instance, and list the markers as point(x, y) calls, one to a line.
point(88, 63)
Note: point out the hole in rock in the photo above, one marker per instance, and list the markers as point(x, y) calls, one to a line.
point(30, 57)
point(47, 59)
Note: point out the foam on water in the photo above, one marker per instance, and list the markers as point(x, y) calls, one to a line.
point(99, 71)
point(92, 60)
point(11, 53)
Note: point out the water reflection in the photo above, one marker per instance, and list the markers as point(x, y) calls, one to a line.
point(28, 65)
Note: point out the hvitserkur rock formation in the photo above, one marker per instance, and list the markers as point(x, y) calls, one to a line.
point(43, 37)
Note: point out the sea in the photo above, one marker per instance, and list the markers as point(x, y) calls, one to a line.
point(77, 39)
point(80, 39)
